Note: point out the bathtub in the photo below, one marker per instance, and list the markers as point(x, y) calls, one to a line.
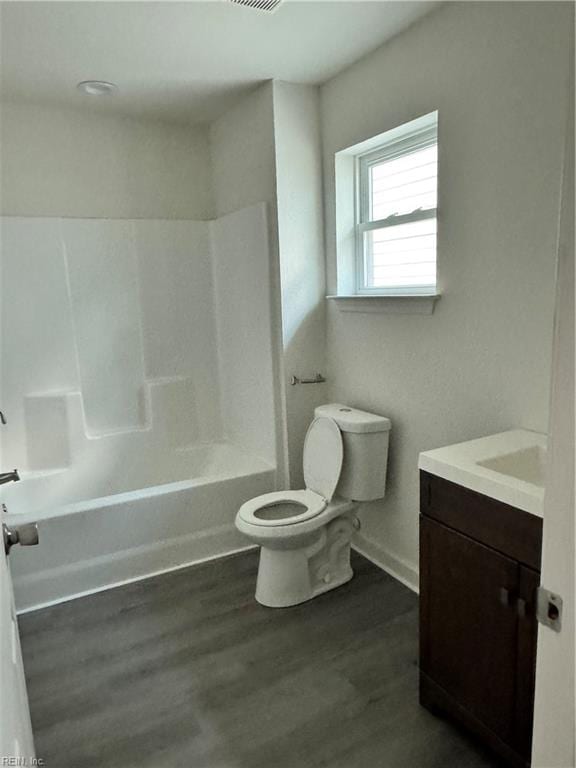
point(121, 523)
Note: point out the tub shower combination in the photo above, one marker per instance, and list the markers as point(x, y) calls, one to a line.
point(137, 384)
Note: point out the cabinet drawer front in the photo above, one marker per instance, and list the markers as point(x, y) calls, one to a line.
point(469, 624)
point(513, 532)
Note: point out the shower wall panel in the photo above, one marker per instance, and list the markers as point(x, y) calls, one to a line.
point(108, 329)
point(37, 343)
point(177, 299)
point(241, 259)
point(104, 296)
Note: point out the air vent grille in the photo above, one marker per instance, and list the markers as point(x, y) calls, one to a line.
point(259, 5)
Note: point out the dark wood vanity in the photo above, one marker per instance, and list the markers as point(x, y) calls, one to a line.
point(479, 572)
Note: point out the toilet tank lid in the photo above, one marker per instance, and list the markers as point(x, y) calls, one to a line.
point(352, 419)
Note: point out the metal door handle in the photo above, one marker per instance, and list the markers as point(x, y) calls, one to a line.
point(25, 535)
point(521, 607)
point(504, 596)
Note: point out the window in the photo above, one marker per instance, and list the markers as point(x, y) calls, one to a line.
point(396, 190)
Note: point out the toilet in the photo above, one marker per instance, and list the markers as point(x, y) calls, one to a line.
point(305, 535)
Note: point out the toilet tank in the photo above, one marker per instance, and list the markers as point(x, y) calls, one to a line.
point(365, 438)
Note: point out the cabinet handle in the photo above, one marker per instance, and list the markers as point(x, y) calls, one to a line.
point(504, 596)
point(521, 607)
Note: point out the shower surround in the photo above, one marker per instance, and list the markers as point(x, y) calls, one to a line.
point(137, 379)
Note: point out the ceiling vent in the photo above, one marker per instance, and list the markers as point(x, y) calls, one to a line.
point(259, 5)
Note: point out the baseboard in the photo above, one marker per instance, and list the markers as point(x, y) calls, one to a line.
point(70, 582)
point(402, 571)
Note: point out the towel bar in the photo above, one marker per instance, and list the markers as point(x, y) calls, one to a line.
point(318, 379)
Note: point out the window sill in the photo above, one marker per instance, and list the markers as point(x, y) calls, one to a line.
point(411, 304)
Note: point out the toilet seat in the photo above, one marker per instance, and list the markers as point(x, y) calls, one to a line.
point(323, 454)
point(310, 502)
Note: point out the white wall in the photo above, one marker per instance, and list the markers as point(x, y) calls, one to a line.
point(244, 174)
point(241, 265)
point(242, 153)
point(497, 73)
point(65, 162)
point(301, 243)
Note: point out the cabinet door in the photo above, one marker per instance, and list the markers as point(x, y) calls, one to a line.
point(468, 643)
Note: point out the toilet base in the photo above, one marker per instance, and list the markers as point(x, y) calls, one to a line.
point(289, 577)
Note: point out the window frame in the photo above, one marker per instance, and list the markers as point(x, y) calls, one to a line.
point(405, 144)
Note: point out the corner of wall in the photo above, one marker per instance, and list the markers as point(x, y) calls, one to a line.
point(243, 163)
point(301, 256)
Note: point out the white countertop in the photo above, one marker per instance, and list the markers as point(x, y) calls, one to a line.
point(508, 467)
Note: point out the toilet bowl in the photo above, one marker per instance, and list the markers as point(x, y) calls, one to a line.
point(305, 535)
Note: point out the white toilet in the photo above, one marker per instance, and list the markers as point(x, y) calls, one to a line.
point(305, 535)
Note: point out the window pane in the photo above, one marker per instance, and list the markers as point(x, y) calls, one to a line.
point(401, 256)
point(403, 184)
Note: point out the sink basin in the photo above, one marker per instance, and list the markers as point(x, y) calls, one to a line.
point(527, 464)
point(508, 466)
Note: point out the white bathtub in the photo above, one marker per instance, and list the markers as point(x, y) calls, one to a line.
point(131, 520)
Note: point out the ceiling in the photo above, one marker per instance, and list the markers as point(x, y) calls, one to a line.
point(184, 60)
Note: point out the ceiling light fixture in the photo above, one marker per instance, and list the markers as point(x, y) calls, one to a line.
point(97, 87)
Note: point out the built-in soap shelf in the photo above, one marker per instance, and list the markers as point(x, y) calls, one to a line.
point(56, 427)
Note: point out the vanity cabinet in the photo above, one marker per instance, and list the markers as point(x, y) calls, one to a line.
point(479, 572)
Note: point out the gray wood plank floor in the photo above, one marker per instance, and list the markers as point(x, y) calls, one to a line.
point(187, 670)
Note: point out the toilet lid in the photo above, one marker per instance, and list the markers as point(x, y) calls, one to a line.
point(323, 453)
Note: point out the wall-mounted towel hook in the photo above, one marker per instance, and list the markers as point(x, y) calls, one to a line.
point(318, 379)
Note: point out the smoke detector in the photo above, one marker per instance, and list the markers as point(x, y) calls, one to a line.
point(259, 5)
